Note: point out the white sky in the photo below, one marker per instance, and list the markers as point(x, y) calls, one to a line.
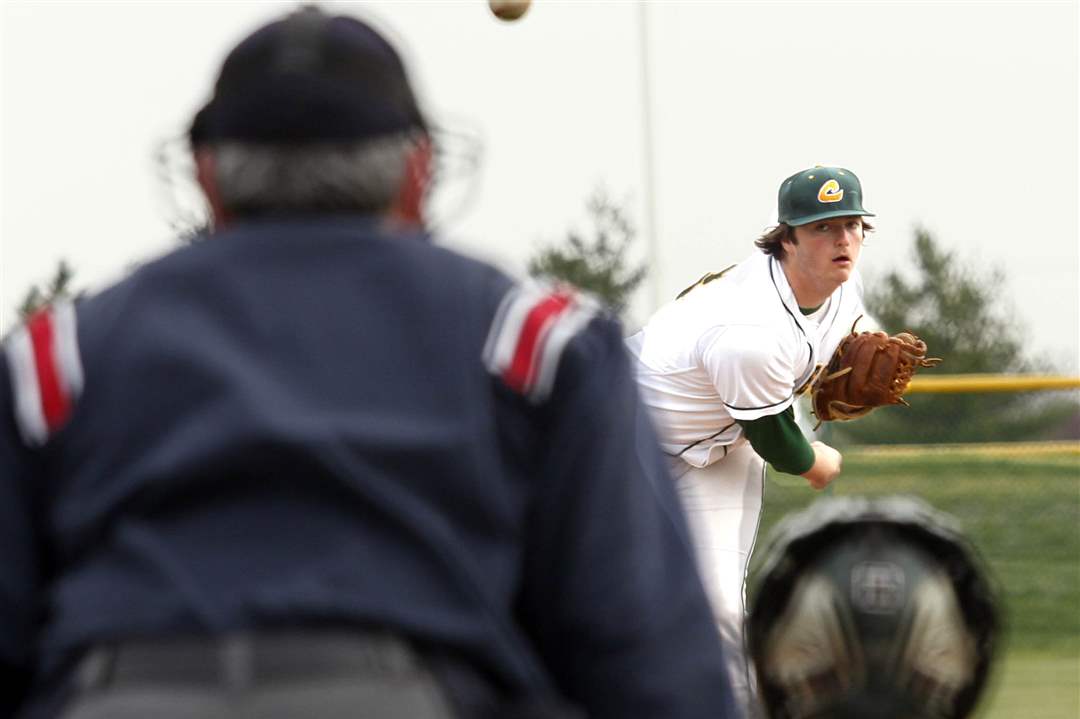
point(959, 116)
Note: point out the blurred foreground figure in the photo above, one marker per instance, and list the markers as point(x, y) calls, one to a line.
point(871, 608)
point(314, 466)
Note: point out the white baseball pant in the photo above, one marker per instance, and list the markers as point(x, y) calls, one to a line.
point(723, 508)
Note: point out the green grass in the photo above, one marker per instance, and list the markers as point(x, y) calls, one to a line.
point(1032, 685)
point(1022, 514)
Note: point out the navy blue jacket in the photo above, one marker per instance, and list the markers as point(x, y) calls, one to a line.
point(323, 421)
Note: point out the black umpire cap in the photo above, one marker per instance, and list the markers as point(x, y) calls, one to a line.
point(310, 77)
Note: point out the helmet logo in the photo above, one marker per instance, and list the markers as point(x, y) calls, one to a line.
point(878, 587)
point(830, 192)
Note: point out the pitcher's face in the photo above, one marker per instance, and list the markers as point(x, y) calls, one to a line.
point(825, 253)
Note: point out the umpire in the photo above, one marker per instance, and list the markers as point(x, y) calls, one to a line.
point(315, 466)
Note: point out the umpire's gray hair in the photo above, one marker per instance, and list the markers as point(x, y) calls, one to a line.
point(258, 179)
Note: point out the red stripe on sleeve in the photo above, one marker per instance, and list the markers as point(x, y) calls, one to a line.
point(55, 403)
point(522, 368)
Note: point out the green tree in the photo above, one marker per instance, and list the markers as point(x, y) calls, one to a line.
point(958, 312)
point(186, 210)
point(58, 287)
point(596, 263)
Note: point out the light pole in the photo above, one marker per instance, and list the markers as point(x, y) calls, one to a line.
point(651, 240)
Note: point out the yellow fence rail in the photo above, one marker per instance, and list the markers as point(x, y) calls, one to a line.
point(949, 383)
point(1056, 448)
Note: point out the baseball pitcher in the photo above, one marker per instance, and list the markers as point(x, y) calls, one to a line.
point(721, 366)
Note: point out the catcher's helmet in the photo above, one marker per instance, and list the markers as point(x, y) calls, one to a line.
point(871, 608)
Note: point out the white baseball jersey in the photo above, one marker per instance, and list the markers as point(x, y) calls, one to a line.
point(735, 348)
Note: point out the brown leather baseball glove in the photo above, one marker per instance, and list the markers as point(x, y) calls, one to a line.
point(868, 370)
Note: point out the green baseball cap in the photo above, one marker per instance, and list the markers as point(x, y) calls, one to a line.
point(818, 194)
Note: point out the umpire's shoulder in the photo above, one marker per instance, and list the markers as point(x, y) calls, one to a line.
point(45, 370)
point(541, 330)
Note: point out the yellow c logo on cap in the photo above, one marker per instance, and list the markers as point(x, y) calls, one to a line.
point(830, 192)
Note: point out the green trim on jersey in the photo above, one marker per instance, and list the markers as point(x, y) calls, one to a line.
point(811, 310)
point(780, 442)
point(705, 279)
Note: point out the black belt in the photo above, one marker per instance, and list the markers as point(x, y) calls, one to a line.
point(246, 659)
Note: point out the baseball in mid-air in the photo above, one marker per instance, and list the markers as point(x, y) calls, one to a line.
point(508, 9)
